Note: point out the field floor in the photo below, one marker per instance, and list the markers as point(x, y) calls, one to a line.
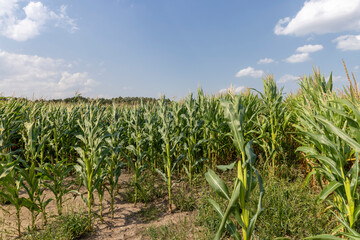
point(130, 221)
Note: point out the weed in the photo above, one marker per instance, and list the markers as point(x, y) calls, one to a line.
point(66, 227)
point(291, 211)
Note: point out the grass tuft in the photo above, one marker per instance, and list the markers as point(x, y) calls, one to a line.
point(66, 227)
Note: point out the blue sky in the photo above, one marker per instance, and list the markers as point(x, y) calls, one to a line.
point(111, 48)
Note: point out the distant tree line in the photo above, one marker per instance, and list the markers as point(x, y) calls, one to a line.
point(80, 99)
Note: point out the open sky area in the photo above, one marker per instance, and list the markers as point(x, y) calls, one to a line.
point(110, 48)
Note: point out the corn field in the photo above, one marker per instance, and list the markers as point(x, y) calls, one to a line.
point(253, 134)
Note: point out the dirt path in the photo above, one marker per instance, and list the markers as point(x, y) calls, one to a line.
point(129, 220)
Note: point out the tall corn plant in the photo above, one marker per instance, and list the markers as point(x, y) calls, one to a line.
point(331, 138)
point(91, 152)
point(10, 125)
point(153, 138)
point(35, 136)
point(55, 180)
point(170, 140)
point(272, 121)
point(115, 132)
point(137, 149)
point(214, 130)
point(332, 147)
point(192, 140)
point(247, 177)
point(12, 181)
point(61, 122)
point(32, 185)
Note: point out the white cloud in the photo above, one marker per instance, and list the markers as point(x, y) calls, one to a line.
point(265, 61)
point(322, 16)
point(251, 72)
point(348, 42)
point(356, 67)
point(230, 89)
point(34, 76)
point(297, 58)
point(309, 48)
point(287, 78)
point(26, 24)
point(338, 79)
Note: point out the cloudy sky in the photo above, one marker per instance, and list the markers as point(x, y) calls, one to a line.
point(109, 48)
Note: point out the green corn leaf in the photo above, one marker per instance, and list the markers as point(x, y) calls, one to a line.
point(226, 167)
point(308, 177)
point(340, 133)
point(356, 213)
point(307, 150)
point(349, 104)
point(350, 236)
point(327, 161)
point(162, 174)
point(324, 237)
point(330, 188)
point(217, 208)
point(230, 208)
point(217, 184)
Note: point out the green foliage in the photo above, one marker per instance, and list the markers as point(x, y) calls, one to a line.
point(114, 145)
point(272, 122)
point(65, 227)
point(247, 177)
point(291, 210)
point(331, 131)
point(171, 137)
point(91, 154)
point(54, 176)
point(41, 143)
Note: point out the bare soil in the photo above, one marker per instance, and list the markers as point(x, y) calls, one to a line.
point(129, 220)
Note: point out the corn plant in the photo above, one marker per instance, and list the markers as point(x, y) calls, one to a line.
point(100, 188)
point(170, 140)
point(153, 138)
point(272, 121)
point(113, 164)
point(13, 185)
point(54, 176)
point(331, 138)
point(137, 149)
point(59, 129)
point(10, 124)
point(332, 146)
point(91, 152)
point(192, 133)
point(214, 130)
point(247, 178)
point(35, 137)
point(32, 185)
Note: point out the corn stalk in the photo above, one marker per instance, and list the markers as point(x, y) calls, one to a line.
point(247, 178)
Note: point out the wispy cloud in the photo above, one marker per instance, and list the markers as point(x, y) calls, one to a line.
point(250, 72)
point(236, 90)
point(26, 23)
point(339, 78)
point(286, 78)
point(34, 76)
point(322, 16)
point(298, 58)
point(266, 61)
point(309, 48)
point(348, 42)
